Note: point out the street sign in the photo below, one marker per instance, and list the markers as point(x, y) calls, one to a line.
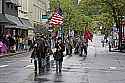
point(44, 18)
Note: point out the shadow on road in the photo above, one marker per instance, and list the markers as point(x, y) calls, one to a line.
point(58, 77)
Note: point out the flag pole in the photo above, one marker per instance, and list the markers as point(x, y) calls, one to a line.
point(61, 28)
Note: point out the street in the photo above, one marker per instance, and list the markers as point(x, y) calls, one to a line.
point(100, 66)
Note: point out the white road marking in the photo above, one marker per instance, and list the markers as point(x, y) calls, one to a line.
point(113, 67)
point(9, 61)
point(29, 66)
point(24, 60)
point(3, 66)
point(86, 67)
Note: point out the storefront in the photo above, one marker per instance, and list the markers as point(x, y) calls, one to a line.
point(28, 29)
point(16, 29)
point(4, 21)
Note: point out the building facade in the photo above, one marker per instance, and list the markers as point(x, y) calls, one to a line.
point(33, 10)
point(23, 14)
point(18, 18)
point(9, 20)
point(15, 13)
point(37, 8)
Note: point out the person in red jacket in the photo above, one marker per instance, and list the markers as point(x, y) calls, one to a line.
point(88, 35)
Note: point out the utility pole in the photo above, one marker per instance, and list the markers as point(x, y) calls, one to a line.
point(3, 2)
point(2, 30)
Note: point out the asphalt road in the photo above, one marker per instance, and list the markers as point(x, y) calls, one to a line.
point(100, 66)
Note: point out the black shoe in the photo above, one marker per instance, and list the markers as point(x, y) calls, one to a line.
point(35, 72)
point(60, 71)
point(85, 55)
point(80, 55)
point(56, 70)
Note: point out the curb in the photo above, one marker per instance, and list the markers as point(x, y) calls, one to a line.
point(11, 54)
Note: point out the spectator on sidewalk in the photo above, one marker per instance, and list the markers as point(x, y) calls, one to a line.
point(12, 43)
point(3, 47)
point(29, 43)
point(20, 43)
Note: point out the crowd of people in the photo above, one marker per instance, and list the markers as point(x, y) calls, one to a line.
point(42, 50)
point(10, 44)
point(6, 44)
point(41, 46)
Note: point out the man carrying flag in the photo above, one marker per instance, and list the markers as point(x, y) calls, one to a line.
point(57, 20)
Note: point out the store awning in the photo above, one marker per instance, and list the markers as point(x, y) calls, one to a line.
point(15, 20)
point(4, 20)
point(27, 24)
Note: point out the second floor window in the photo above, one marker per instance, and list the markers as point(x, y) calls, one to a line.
point(8, 5)
point(16, 8)
point(11, 6)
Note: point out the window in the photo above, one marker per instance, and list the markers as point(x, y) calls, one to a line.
point(11, 6)
point(16, 8)
point(8, 5)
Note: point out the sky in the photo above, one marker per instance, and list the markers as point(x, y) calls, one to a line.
point(79, 1)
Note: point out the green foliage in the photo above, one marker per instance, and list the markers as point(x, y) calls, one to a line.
point(92, 13)
point(73, 17)
point(104, 12)
point(114, 10)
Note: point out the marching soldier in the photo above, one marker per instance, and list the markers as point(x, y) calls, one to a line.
point(39, 52)
point(58, 55)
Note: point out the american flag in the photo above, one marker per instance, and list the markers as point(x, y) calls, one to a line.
point(57, 18)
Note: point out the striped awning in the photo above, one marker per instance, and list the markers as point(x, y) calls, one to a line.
point(27, 24)
point(15, 20)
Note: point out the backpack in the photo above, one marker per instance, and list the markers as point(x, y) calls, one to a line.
point(62, 47)
point(40, 48)
point(41, 45)
point(58, 55)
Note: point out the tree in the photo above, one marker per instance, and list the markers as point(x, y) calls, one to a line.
point(91, 13)
point(117, 9)
point(107, 12)
point(73, 19)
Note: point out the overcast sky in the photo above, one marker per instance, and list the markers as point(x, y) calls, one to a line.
point(79, 1)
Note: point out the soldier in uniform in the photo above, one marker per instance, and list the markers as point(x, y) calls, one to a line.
point(58, 55)
point(39, 52)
